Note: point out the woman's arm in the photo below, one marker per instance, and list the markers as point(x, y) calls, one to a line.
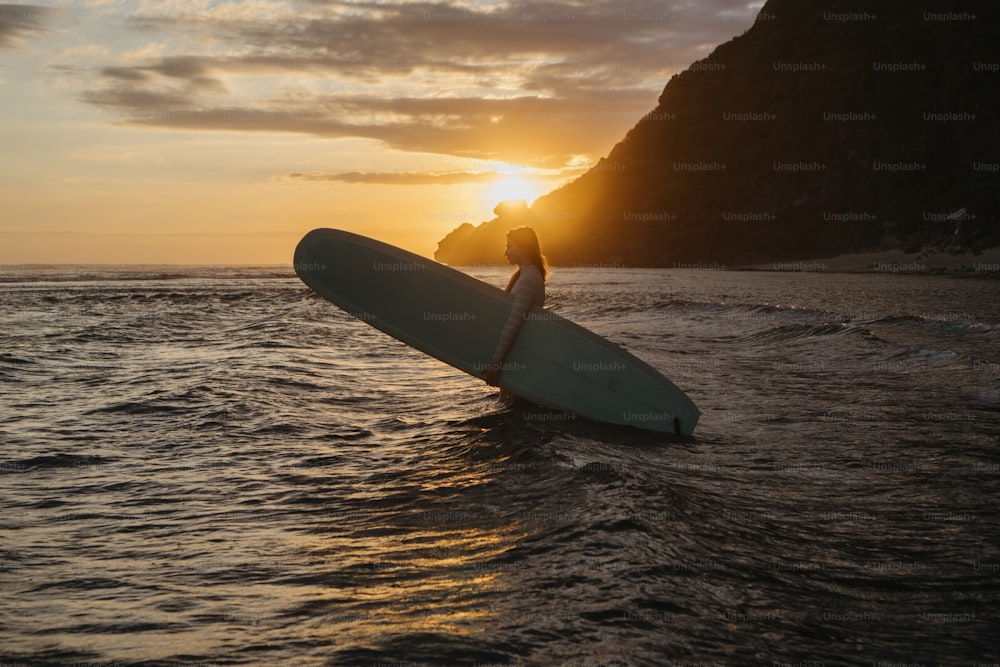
point(525, 294)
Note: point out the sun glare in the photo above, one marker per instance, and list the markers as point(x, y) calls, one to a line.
point(514, 188)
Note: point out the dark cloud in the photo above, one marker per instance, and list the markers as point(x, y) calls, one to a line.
point(131, 74)
point(156, 104)
point(636, 39)
point(530, 130)
point(186, 70)
point(19, 22)
point(553, 78)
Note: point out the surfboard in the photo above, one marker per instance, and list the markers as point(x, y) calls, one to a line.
point(457, 319)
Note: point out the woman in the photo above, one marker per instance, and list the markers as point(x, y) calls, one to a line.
point(527, 284)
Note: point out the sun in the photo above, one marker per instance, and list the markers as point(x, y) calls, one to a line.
point(515, 188)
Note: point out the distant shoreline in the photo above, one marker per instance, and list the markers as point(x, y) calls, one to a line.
point(985, 265)
point(967, 264)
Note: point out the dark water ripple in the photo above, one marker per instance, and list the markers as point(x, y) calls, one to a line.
point(221, 468)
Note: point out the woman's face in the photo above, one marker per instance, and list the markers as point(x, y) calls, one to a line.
point(514, 253)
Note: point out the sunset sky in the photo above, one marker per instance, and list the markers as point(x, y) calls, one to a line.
point(205, 132)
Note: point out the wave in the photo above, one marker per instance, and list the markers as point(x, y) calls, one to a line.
point(137, 408)
point(917, 352)
point(946, 322)
point(11, 359)
point(53, 462)
point(789, 332)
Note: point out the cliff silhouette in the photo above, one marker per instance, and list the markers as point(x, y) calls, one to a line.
point(824, 129)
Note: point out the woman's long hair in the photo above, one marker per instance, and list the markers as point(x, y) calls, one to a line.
point(526, 239)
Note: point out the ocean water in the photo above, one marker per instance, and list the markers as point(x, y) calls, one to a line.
point(217, 467)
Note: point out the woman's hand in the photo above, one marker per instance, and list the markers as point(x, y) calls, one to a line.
point(491, 374)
